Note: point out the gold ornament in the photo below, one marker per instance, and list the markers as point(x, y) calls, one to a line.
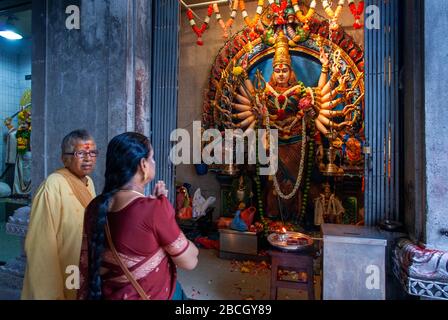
point(282, 55)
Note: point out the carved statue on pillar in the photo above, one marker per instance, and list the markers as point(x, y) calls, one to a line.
point(12, 274)
point(422, 272)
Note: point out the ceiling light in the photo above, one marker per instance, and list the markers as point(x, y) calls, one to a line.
point(8, 29)
point(10, 34)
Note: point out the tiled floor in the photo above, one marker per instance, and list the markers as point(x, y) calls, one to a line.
point(213, 279)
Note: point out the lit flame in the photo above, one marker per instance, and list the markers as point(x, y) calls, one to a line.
point(283, 230)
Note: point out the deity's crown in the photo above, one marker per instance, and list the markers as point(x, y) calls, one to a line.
point(282, 55)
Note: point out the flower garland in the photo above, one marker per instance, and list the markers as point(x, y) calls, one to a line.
point(225, 26)
point(259, 195)
point(306, 192)
point(304, 18)
point(251, 23)
point(357, 11)
point(301, 166)
point(333, 15)
point(23, 134)
point(200, 30)
point(279, 10)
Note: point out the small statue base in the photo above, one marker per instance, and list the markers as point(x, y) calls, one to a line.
point(13, 273)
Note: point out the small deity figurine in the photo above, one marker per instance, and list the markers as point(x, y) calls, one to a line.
point(327, 208)
point(184, 205)
point(353, 150)
point(22, 154)
point(242, 192)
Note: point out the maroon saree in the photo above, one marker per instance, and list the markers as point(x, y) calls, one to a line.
point(146, 236)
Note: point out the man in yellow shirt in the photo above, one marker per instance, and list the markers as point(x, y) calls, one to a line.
point(53, 242)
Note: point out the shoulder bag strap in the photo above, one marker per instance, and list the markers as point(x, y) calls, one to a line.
point(126, 271)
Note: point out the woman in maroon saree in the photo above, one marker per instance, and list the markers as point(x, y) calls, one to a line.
point(143, 231)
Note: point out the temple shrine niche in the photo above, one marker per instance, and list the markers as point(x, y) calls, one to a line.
point(303, 76)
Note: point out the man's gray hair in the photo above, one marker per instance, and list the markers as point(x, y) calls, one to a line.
point(70, 140)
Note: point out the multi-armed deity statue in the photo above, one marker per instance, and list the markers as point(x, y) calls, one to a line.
point(286, 104)
point(324, 112)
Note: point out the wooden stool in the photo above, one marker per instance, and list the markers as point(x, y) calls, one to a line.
point(299, 262)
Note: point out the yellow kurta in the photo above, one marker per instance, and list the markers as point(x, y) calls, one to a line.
point(54, 240)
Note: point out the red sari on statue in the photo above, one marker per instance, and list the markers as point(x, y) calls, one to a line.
point(146, 236)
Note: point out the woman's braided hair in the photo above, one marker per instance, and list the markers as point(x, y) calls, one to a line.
point(124, 154)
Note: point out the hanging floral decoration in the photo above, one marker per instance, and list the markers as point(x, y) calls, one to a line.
point(304, 18)
point(200, 30)
point(357, 11)
point(23, 134)
point(259, 192)
point(251, 23)
point(279, 10)
point(225, 26)
point(333, 15)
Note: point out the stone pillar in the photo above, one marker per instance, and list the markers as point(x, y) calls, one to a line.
point(436, 126)
point(95, 78)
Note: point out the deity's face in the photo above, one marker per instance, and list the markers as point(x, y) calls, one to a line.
point(282, 73)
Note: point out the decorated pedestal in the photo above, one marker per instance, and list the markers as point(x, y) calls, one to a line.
point(422, 272)
point(12, 274)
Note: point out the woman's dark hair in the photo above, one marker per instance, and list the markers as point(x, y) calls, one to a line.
point(124, 154)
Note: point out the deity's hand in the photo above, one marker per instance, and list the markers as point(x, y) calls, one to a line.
point(343, 124)
point(343, 84)
point(348, 109)
point(324, 57)
point(349, 94)
point(336, 71)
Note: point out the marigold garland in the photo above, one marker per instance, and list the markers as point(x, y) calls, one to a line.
point(333, 15)
point(200, 30)
point(228, 24)
point(304, 18)
point(251, 23)
point(357, 11)
point(279, 10)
